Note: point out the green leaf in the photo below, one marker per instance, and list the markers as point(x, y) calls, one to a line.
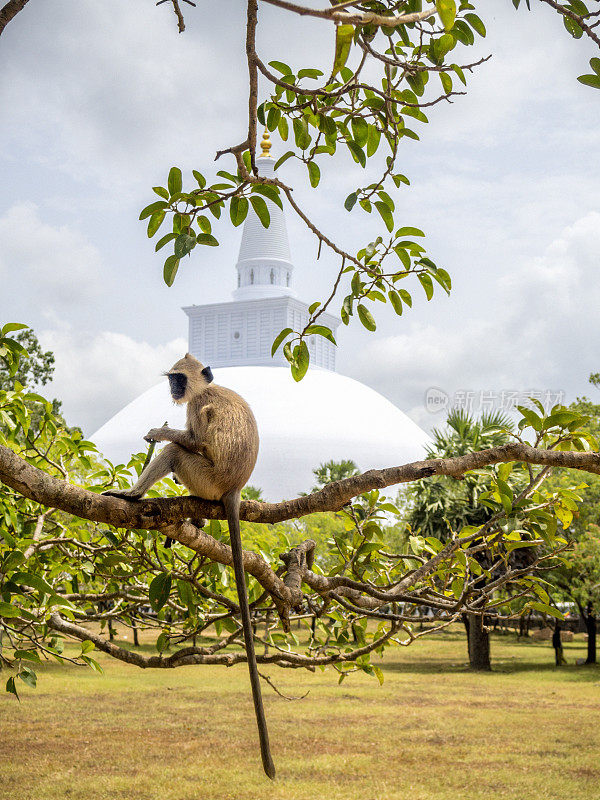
point(158, 205)
point(174, 182)
point(320, 330)
point(13, 326)
point(165, 239)
point(301, 134)
point(590, 80)
point(309, 73)
point(28, 677)
point(92, 663)
point(155, 221)
point(386, 214)
point(186, 595)
point(270, 192)
point(283, 129)
point(357, 153)
point(546, 609)
point(8, 611)
point(11, 687)
point(279, 339)
point(574, 29)
point(446, 82)
point(204, 224)
point(427, 284)
point(261, 210)
point(403, 256)
point(447, 12)
point(476, 23)
point(350, 201)
point(360, 130)
point(28, 655)
point(314, 174)
point(207, 239)
point(531, 417)
point(170, 270)
point(158, 592)
point(86, 646)
point(595, 65)
point(238, 209)
point(366, 317)
point(184, 244)
point(284, 69)
point(161, 192)
point(200, 179)
point(395, 301)
point(460, 73)
point(33, 581)
point(283, 159)
point(373, 140)
point(343, 42)
point(301, 361)
point(409, 232)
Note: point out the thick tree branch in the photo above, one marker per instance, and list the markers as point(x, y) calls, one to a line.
point(210, 655)
point(158, 514)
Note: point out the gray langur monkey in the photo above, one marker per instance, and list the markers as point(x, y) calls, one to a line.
point(214, 458)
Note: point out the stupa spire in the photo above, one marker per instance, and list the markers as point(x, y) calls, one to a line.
point(266, 145)
point(264, 263)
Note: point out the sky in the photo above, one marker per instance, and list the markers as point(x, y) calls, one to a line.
point(99, 99)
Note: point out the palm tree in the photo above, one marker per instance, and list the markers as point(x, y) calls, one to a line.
point(441, 505)
point(332, 471)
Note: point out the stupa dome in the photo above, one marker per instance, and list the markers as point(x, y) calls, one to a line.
point(325, 416)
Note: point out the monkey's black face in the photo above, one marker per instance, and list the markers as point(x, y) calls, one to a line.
point(177, 384)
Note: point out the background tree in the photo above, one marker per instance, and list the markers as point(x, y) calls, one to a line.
point(577, 576)
point(441, 507)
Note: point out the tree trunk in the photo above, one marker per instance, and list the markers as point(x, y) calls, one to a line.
point(466, 623)
point(590, 626)
point(479, 644)
point(136, 641)
point(111, 630)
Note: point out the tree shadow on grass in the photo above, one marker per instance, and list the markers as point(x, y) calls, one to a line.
point(585, 673)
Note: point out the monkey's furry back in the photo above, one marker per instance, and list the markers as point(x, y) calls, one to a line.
point(228, 432)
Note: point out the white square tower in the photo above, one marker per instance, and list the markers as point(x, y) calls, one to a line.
point(241, 333)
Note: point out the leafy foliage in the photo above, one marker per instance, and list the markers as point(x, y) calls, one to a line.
point(62, 575)
point(393, 63)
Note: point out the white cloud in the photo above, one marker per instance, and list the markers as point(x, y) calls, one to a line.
point(114, 92)
point(538, 331)
point(56, 265)
point(97, 375)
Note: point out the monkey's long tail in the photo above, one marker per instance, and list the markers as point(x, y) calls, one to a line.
point(231, 502)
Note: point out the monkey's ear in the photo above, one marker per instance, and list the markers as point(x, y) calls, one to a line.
point(207, 372)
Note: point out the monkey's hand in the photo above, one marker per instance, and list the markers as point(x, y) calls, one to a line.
point(156, 435)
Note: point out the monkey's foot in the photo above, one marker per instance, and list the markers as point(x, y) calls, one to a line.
point(124, 494)
point(199, 523)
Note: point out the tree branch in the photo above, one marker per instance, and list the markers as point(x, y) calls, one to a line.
point(158, 514)
point(9, 11)
point(353, 18)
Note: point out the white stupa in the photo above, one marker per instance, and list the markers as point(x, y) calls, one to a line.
point(323, 417)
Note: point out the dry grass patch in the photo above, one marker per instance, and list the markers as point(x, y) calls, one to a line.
point(433, 731)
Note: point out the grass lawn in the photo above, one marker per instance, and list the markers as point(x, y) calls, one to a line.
point(433, 731)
